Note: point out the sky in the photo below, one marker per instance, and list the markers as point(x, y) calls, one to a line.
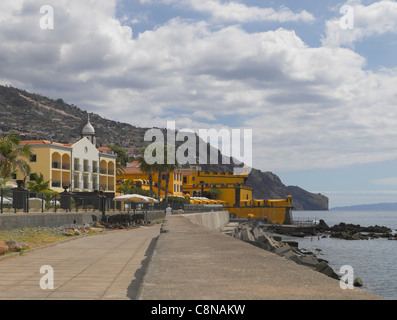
point(315, 82)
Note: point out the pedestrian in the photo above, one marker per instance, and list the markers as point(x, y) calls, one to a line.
point(168, 211)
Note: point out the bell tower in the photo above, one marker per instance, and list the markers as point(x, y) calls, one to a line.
point(89, 132)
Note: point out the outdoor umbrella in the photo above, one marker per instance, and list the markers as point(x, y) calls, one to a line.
point(7, 201)
point(132, 198)
point(152, 200)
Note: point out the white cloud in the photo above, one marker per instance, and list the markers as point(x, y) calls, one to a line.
point(233, 11)
point(392, 181)
point(375, 19)
point(308, 107)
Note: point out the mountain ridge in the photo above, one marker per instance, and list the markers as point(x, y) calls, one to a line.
point(37, 117)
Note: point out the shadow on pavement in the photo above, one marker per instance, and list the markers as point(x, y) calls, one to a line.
point(135, 285)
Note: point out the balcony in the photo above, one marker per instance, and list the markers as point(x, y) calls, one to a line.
point(103, 171)
point(95, 169)
point(87, 169)
point(56, 165)
point(77, 167)
point(65, 166)
point(111, 172)
point(56, 184)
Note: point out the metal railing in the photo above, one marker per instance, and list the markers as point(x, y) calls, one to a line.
point(25, 201)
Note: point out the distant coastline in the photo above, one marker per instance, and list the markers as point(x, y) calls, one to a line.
point(369, 207)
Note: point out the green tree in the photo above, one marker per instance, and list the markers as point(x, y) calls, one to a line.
point(122, 156)
point(38, 184)
point(121, 160)
point(169, 167)
point(124, 187)
point(148, 169)
point(214, 192)
point(12, 156)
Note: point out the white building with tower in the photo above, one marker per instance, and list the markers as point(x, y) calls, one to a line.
point(80, 166)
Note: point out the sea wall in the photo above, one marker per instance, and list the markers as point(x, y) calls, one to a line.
point(53, 220)
point(212, 220)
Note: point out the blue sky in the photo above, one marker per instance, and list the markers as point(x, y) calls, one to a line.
point(320, 99)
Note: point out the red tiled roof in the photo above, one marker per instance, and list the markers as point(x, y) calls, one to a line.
point(40, 142)
point(132, 170)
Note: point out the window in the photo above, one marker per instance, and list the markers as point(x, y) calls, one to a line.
point(33, 158)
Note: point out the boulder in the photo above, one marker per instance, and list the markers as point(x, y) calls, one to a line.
point(3, 248)
point(15, 246)
point(282, 251)
point(246, 235)
point(322, 226)
point(294, 244)
point(257, 232)
point(309, 261)
point(324, 268)
point(69, 232)
point(272, 244)
point(358, 282)
point(290, 255)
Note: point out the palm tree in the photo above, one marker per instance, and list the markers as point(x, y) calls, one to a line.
point(124, 187)
point(148, 169)
point(12, 156)
point(168, 168)
point(38, 184)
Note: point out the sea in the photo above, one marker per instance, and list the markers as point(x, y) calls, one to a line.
point(374, 261)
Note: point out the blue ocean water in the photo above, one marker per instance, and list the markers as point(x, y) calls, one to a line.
point(374, 261)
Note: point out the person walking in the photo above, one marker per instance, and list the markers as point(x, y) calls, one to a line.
point(168, 211)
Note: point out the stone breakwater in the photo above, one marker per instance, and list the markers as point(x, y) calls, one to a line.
point(341, 231)
point(357, 232)
point(256, 233)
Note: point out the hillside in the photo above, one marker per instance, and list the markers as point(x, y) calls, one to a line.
point(37, 117)
point(267, 185)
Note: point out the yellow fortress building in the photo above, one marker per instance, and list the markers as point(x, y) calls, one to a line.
point(236, 196)
point(136, 177)
point(228, 189)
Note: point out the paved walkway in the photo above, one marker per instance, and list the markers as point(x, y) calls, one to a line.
point(109, 266)
point(191, 262)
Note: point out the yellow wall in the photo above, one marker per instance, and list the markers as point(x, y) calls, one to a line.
point(226, 183)
point(274, 210)
point(43, 165)
point(175, 182)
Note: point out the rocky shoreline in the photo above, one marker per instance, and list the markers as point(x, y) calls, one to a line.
point(261, 235)
point(341, 231)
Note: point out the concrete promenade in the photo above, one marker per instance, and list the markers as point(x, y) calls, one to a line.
point(108, 266)
point(191, 262)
